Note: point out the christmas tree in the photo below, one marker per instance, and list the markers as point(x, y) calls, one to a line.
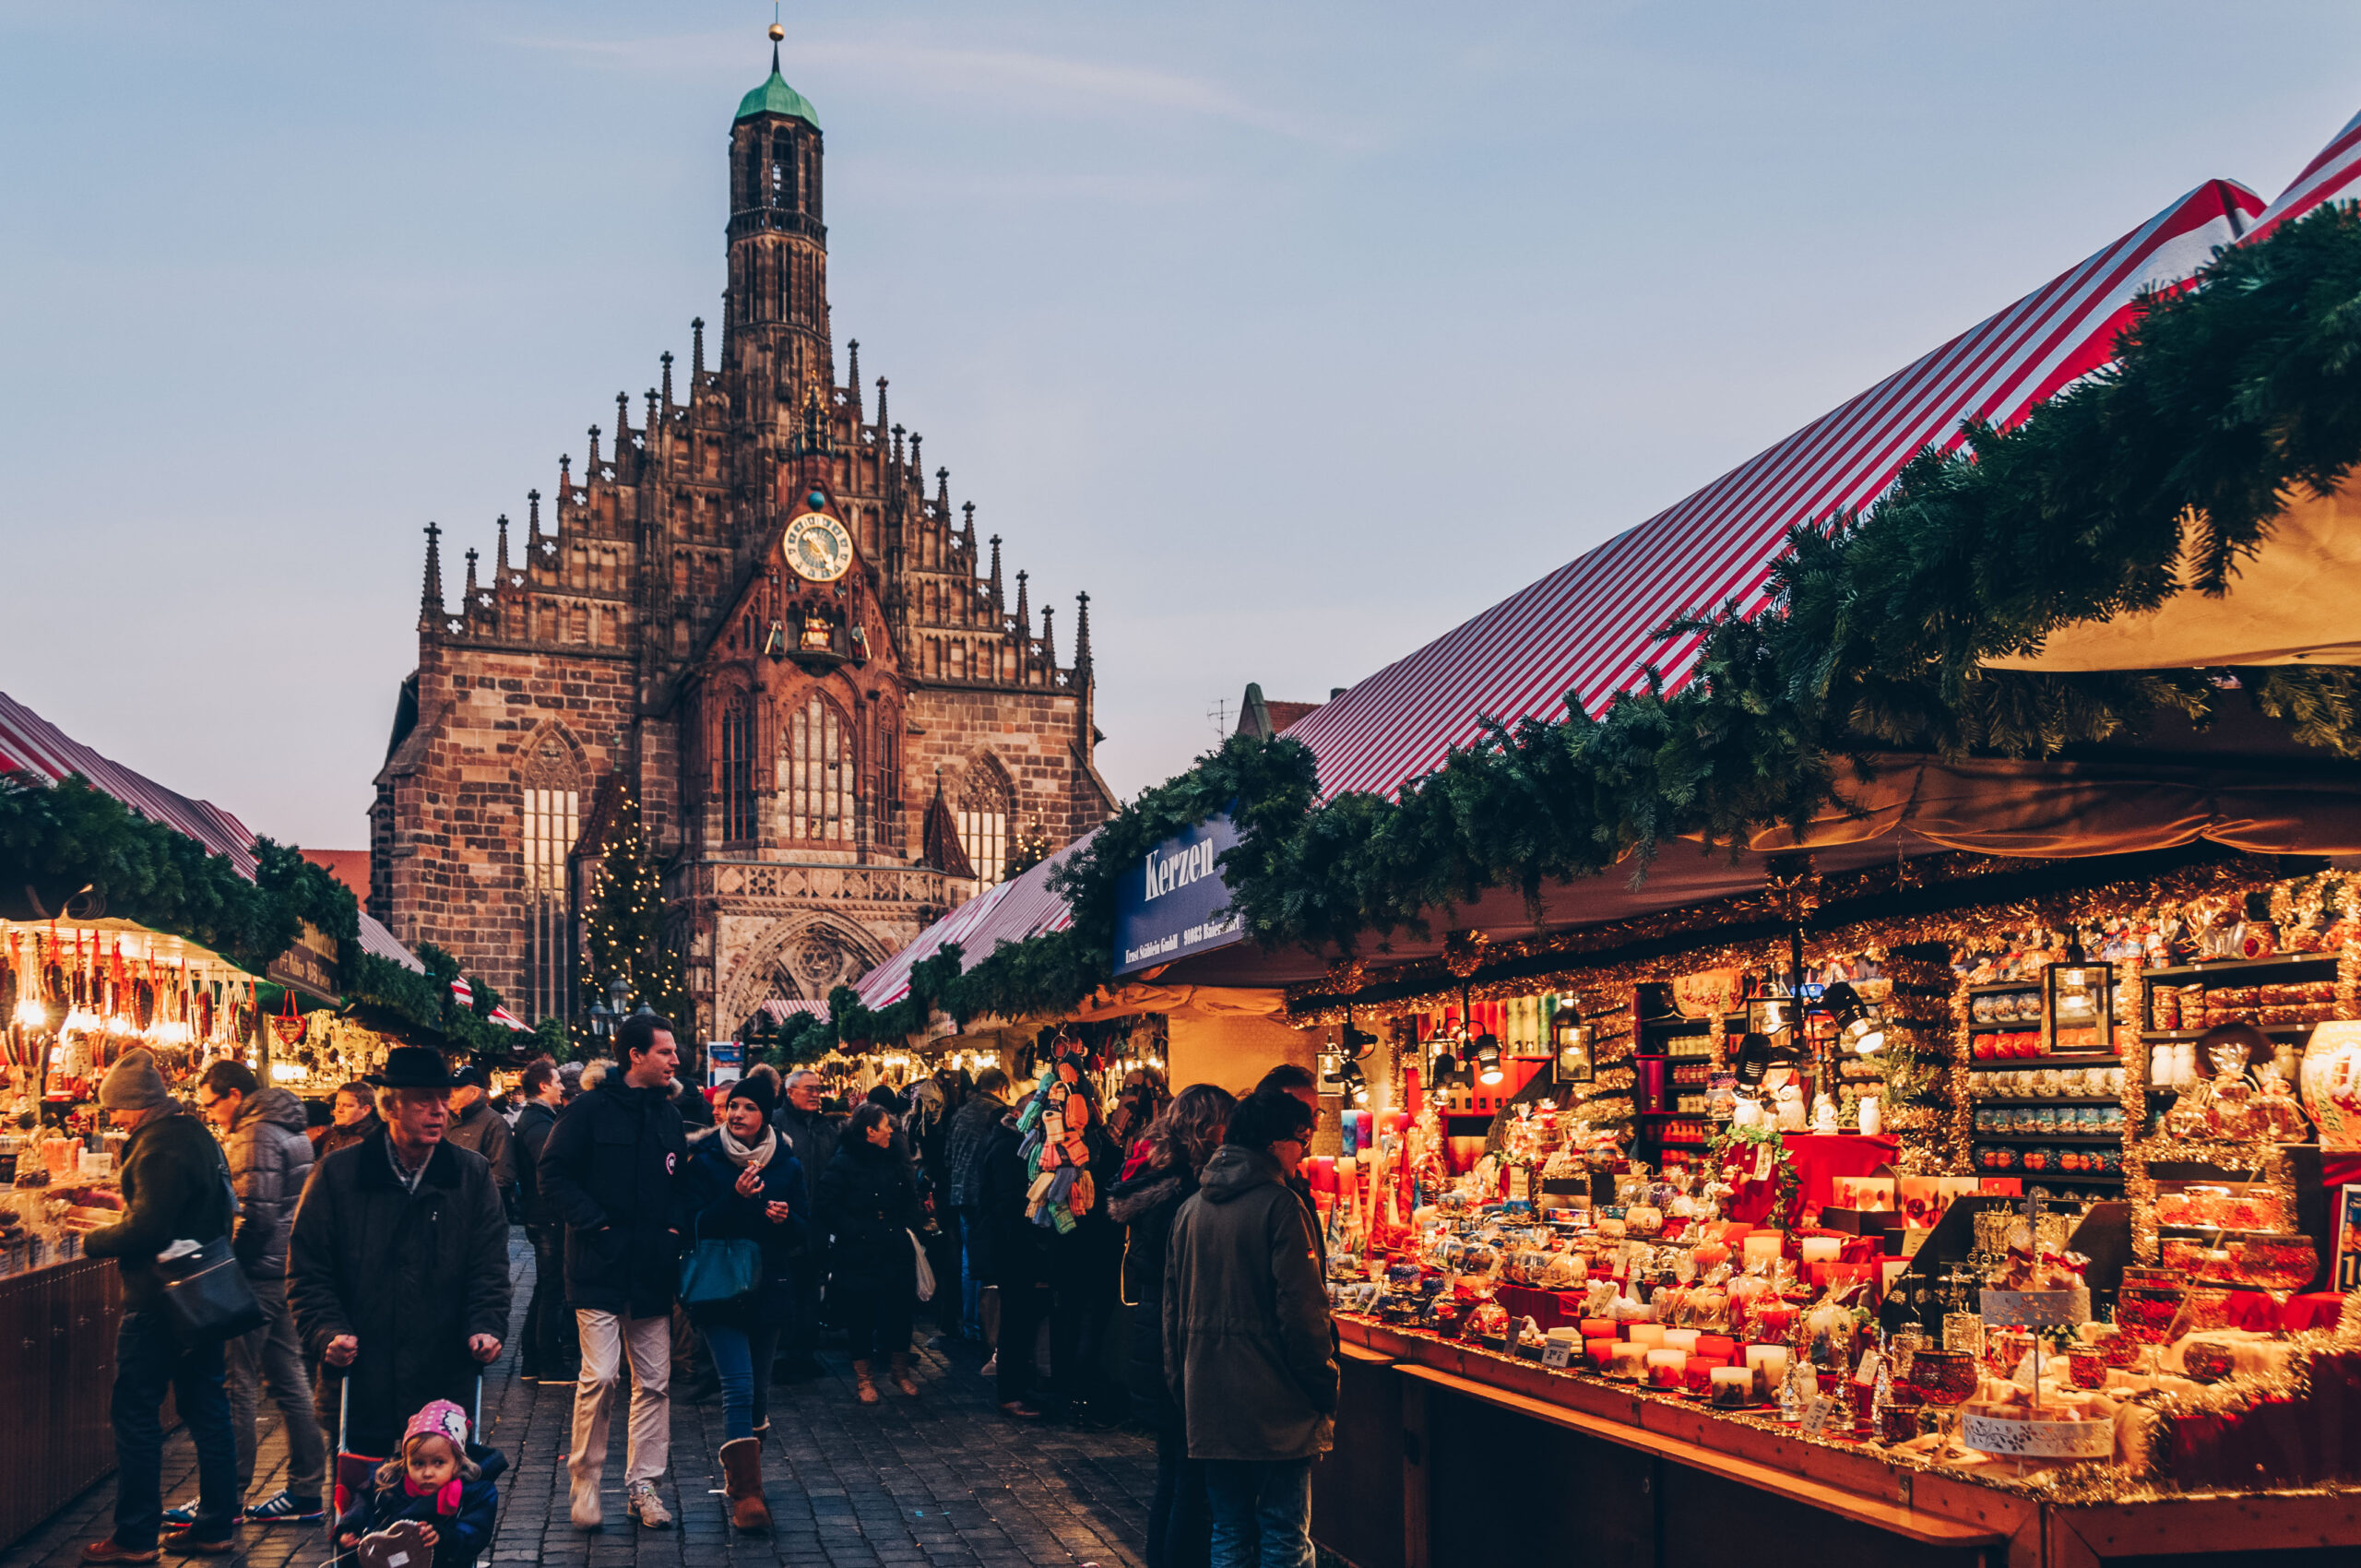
point(625, 924)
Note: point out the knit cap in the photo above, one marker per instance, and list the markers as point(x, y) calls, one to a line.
point(134, 1083)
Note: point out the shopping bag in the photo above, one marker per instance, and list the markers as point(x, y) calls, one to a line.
point(926, 1270)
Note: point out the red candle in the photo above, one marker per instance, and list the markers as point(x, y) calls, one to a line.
point(1699, 1374)
point(1598, 1352)
point(1715, 1346)
point(1773, 1322)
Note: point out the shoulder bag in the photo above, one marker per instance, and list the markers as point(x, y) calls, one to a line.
point(206, 1292)
point(718, 1270)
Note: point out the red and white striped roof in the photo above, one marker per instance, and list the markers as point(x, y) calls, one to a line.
point(32, 745)
point(1588, 628)
point(1024, 905)
point(778, 1009)
point(2328, 177)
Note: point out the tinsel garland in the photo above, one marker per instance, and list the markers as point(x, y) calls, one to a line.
point(1924, 1039)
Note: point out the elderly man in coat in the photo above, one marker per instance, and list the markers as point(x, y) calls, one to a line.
point(398, 1266)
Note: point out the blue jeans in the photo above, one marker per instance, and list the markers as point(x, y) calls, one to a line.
point(971, 1290)
point(1261, 1512)
point(743, 1360)
point(150, 1359)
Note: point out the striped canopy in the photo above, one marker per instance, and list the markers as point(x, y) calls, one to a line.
point(1023, 906)
point(1588, 628)
point(31, 746)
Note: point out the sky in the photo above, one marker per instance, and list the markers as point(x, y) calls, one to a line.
point(1294, 335)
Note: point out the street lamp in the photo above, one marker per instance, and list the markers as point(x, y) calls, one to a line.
point(605, 1016)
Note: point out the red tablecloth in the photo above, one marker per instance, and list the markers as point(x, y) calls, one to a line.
point(1818, 1159)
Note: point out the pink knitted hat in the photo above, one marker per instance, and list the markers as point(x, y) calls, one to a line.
point(441, 1419)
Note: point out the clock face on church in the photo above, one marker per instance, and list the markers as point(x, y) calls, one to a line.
point(817, 547)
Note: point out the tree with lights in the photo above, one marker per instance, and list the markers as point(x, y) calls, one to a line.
point(625, 923)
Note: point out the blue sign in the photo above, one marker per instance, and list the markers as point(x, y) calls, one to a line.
point(1174, 904)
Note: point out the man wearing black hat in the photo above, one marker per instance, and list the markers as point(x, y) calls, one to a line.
point(397, 1269)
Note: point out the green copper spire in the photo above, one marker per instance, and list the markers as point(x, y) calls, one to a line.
point(775, 97)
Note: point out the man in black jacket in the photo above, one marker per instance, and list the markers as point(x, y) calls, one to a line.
point(175, 1188)
point(971, 1129)
point(397, 1267)
point(1249, 1351)
point(548, 1354)
point(812, 1135)
point(608, 1170)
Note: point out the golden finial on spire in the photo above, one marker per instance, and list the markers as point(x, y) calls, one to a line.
point(778, 33)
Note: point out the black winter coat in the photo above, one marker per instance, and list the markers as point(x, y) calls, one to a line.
point(172, 1189)
point(532, 1133)
point(813, 1138)
point(717, 1211)
point(413, 1275)
point(1145, 1206)
point(869, 1206)
point(963, 1150)
point(1249, 1350)
point(1015, 1253)
point(610, 1170)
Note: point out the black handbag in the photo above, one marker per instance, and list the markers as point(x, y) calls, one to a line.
point(206, 1293)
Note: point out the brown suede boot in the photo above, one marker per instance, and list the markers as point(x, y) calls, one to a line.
point(901, 1375)
point(742, 1485)
point(863, 1389)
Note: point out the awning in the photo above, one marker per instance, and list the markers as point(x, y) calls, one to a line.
point(777, 1009)
point(1024, 905)
point(2297, 598)
point(1588, 628)
point(31, 744)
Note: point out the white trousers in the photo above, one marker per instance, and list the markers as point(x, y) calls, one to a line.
point(606, 1338)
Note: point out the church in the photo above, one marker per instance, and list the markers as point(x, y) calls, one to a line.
point(754, 615)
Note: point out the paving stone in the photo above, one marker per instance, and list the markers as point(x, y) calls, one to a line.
point(939, 1482)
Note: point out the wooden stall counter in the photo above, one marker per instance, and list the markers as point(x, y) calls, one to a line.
point(1496, 1451)
point(59, 1324)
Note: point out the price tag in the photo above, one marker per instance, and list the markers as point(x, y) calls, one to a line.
point(1557, 1353)
point(1815, 1415)
point(1761, 1162)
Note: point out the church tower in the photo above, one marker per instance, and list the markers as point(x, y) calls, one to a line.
point(775, 317)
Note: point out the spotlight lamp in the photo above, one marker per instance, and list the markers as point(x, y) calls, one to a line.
point(1857, 1025)
point(1354, 1082)
point(1488, 1070)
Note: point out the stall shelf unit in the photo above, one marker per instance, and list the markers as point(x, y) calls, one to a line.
point(2006, 1153)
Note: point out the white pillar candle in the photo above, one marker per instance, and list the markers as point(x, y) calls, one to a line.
point(1667, 1368)
point(1763, 1246)
point(1732, 1388)
point(1769, 1365)
point(1648, 1336)
point(1683, 1340)
point(1822, 1248)
point(1627, 1361)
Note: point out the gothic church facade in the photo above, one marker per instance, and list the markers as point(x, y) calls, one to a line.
point(753, 613)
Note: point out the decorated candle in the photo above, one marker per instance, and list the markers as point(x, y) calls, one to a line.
point(1764, 1247)
point(1628, 1361)
point(1694, 1376)
point(1769, 1365)
point(1598, 1328)
point(1732, 1388)
point(1648, 1334)
point(1666, 1366)
point(1683, 1339)
point(1822, 1248)
point(1715, 1346)
point(1599, 1352)
point(1351, 1121)
point(1770, 1322)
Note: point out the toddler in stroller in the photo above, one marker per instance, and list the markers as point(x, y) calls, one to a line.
point(436, 1495)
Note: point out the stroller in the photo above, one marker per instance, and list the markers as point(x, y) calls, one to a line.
point(354, 1473)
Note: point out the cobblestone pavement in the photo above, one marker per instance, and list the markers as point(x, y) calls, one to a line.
point(941, 1478)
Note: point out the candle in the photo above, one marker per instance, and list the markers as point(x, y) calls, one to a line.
point(1683, 1339)
point(1769, 1365)
point(1694, 1375)
point(1732, 1388)
point(1666, 1368)
point(1351, 1121)
point(1822, 1248)
point(1764, 1247)
point(1628, 1361)
point(1649, 1334)
point(1770, 1322)
point(1599, 1352)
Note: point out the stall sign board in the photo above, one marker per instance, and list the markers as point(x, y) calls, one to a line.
point(1173, 903)
point(309, 965)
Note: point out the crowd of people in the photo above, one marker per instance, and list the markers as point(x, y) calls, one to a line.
point(714, 1244)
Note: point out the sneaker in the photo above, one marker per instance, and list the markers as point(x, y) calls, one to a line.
point(991, 1365)
point(642, 1504)
point(286, 1508)
point(181, 1515)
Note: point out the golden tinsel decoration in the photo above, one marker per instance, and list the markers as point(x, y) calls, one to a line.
point(1462, 954)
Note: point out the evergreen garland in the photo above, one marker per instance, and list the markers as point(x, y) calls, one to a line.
point(2226, 400)
point(60, 838)
point(625, 924)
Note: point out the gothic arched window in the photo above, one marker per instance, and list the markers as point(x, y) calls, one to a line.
point(552, 821)
point(818, 795)
point(983, 812)
point(736, 756)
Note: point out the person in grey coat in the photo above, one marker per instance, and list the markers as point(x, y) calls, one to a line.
point(270, 1158)
point(1249, 1350)
point(476, 1126)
